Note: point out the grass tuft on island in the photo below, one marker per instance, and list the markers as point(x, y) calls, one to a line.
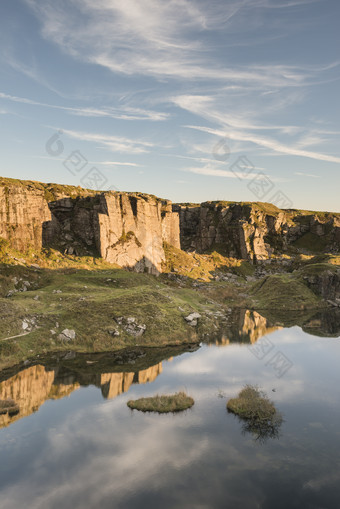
point(162, 404)
point(259, 413)
point(252, 403)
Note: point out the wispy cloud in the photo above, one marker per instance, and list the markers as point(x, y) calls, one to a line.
point(114, 163)
point(112, 143)
point(211, 108)
point(212, 170)
point(97, 163)
point(268, 143)
point(123, 113)
point(158, 39)
point(310, 175)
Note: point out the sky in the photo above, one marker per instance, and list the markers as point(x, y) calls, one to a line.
point(186, 99)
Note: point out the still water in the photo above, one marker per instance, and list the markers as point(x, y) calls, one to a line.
point(75, 443)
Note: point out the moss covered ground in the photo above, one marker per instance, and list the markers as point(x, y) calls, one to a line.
point(283, 291)
point(108, 309)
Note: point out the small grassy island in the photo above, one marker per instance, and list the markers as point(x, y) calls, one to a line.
point(259, 413)
point(162, 404)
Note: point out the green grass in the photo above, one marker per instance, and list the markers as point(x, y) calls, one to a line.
point(90, 302)
point(51, 191)
point(284, 291)
point(259, 413)
point(203, 266)
point(162, 404)
point(251, 403)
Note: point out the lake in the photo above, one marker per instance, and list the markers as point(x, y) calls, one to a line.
point(76, 444)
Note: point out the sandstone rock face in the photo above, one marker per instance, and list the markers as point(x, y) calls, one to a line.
point(22, 214)
point(129, 229)
point(124, 229)
point(132, 229)
point(254, 231)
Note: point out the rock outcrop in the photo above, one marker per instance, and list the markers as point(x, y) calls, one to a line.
point(254, 231)
point(127, 229)
point(23, 211)
point(130, 229)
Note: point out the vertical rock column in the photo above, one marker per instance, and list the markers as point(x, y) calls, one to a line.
point(131, 231)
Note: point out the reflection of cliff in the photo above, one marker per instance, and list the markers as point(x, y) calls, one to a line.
point(246, 327)
point(31, 387)
point(113, 384)
point(255, 326)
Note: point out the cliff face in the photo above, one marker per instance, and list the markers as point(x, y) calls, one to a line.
point(125, 229)
point(132, 229)
point(22, 214)
point(129, 229)
point(254, 231)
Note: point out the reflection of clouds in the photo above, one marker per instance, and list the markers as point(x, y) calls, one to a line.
point(104, 455)
point(320, 482)
point(229, 368)
point(101, 462)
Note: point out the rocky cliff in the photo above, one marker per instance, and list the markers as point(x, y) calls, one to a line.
point(23, 211)
point(255, 231)
point(130, 229)
point(127, 229)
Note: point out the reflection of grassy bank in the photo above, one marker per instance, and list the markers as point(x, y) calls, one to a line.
point(162, 404)
point(81, 365)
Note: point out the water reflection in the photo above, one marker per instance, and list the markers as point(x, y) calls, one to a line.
point(57, 376)
point(245, 326)
point(248, 326)
point(87, 451)
point(32, 386)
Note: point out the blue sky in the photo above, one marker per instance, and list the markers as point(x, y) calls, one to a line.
point(186, 99)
